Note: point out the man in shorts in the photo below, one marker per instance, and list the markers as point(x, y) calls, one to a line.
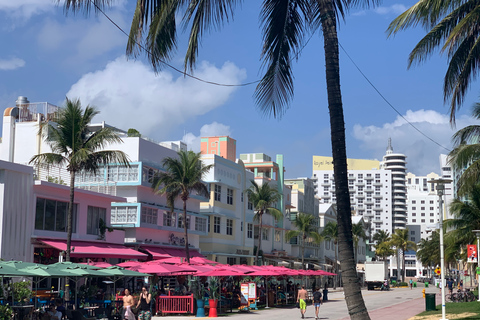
point(301, 300)
point(317, 301)
point(127, 306)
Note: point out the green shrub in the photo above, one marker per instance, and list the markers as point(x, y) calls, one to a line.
point(22, 291)
point(403, 284)
point(5, 313)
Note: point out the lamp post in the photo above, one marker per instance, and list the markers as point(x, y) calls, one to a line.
point(477, 233)
point(440, 188)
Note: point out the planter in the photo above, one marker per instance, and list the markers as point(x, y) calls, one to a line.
point(200, 308)
point(212, 312)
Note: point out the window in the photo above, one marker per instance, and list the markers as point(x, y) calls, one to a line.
point(250, 205)
point(149, 215)
point(264, 234)
point(414, 201)
point(414, 220)
point(242, 197)
point(325, 176)
point(431, 201)
point(431, 214)
point(123, 173)
point(422, 202)
point(231, 261)
point(431, 208)
point(94, 214)
point(249, 231)
point(422, 208)
point(423, 220)
point(216, 224)
point(218, 192)
point(414, 208)
point(52, 215)
point(278, 236)
point(180, 221)
point(229, 196)
point(124, 215)
point(200, 224)
point(168, 219)
point(414, 214)
point(431, 220)
point(229, 227)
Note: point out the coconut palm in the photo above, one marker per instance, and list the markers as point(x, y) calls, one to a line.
point(466, 154)
point(466, 217)
point(77, 148)
point(383, 248)
point(330, 233)
point(285, 25)
point(183, 176)
point(381, 236)
point(401, 242)
point(263, 198)
point(452, 26)
point(358, 232)
point(307, 230)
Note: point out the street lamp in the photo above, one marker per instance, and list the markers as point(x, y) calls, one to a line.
point(477, 232)
point(440, 188)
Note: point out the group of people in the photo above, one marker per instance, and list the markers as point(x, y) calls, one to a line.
point(302, 297)
point(55, 311)
point(143, 305)
point(450, 285)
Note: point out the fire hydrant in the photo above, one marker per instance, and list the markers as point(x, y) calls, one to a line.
point(423, 291)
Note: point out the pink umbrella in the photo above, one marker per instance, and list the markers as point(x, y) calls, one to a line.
point(161, 269)
point(99, 264)
point(130, 263)
point(221, 272)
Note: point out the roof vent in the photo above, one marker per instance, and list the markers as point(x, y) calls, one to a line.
point(21, 100)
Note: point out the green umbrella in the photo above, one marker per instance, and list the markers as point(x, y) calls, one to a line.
point(117, 273)
point(69, 264)
point(8, 271)
point(19, 264)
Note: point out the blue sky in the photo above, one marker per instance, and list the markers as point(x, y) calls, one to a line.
point(46, 56)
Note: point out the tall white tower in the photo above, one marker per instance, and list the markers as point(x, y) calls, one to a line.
point(396, 163)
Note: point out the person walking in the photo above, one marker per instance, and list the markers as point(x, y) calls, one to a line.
point(127, 306)
point(317, 301)
point(144, 305)
point(411, 284)
point(301, 300)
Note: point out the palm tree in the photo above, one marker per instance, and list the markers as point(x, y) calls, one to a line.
point(285, 24)
point(78, 148)
point(183, 176)
point(401, 242)
point(381, 236)
point(466, 154)
point(358, 232)
point(330, 233)
point(383, 248)
point(452, 26)
point(263, 198)
point(466, 217)
point(307, 230)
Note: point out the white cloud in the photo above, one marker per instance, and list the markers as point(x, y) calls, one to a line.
point(395, 9)
point(422, 154)
point(11, 64)
point(208, 130)
point(130, 95)
point(26, 8)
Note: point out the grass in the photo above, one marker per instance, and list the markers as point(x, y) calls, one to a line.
point(456, 308)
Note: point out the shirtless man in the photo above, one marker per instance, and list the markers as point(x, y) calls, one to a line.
point(301, 300)
point(127, 305)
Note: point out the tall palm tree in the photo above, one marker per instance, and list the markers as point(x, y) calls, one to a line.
point(263, 198)
point(466, 217)
point(358, 232)
point(381, 236)
point(452, 26)
point(466, 154)
point(285, 24)
point(78, 148)
point(330, 233)
point(401, 242)
point(383, 248)
point(183, 176)
point(307, 230)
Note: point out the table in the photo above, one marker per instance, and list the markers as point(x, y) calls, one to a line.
point(21, 311)
point(91, 310)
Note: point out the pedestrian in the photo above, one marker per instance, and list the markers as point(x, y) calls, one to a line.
point(144, 305)
point(317, 301)
point(301, 300)
point(460, 285)
point(411, 284)
point(450, 285)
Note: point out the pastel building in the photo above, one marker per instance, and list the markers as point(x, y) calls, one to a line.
point(120, 196)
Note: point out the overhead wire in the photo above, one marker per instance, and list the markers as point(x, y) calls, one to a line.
point(257, 81)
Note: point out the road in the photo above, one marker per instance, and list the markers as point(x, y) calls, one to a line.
point(396, 304)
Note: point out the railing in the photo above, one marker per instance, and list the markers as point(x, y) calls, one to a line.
point(175, 304)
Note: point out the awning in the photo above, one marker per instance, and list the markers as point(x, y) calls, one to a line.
point(86, 249)
point(163, 253)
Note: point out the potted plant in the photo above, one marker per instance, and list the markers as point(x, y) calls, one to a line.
point(21, 291)
point(213, 284)
point(198, 290)
point(6, 313)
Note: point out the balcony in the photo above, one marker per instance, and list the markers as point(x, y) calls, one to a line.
point(377, 184)
point(378, 208)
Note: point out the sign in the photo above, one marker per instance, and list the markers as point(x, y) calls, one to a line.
point(248, 290)
point(478, 270)
point(438, 271)
point(244, 293)
point(472, 254)
point(172, 239)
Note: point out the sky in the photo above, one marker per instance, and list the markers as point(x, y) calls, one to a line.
point(48, 55)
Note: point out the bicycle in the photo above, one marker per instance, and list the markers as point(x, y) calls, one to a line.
point(470, 296)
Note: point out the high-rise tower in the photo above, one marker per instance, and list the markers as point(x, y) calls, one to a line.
point(396, 163)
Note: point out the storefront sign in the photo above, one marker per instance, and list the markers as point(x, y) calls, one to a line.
point(472, 255)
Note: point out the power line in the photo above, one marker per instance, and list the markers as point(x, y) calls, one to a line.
point(388, 102)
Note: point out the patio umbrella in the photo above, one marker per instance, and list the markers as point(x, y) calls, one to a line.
point(116, 273)
point(100, 264)
point(69, 264)
point(127, 264)
point(221, 272)
point(161, 269)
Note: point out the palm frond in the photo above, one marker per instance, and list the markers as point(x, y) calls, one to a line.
point(85, 5)
point(48, 159)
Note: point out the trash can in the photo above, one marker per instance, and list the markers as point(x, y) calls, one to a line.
point(430, 302)
point(414, 284)
point(325, 294)
point(426, 284)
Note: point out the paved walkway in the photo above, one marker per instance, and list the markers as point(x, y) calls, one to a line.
point(397, 304)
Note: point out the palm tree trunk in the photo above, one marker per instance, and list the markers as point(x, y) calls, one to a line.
point(69, 229)
point(353, 296)
point(259, 237)
point(303, 252)
point(403, 266)
point(335, 264)
point(185, 230)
